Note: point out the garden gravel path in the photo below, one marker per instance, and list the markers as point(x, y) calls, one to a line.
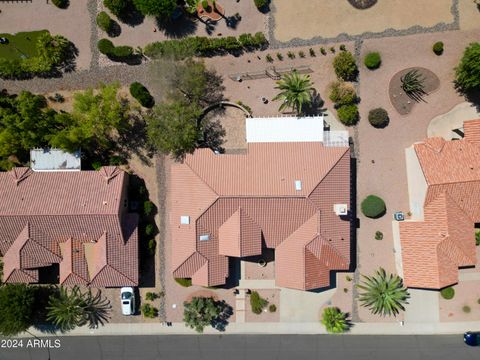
point(125, 74)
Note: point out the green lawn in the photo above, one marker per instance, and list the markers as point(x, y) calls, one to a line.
point(20, 45)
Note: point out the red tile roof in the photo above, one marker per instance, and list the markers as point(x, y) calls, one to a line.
point(433, 249)
point(240, 200)
point(52, 217)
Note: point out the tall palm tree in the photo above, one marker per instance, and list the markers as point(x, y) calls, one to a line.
point(96, 308)
point(69, 309)
point(65, 309)
point(295, 91)
point(335, 320)
point(383, 293)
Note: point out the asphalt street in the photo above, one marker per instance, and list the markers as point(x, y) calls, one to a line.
point(236, 347)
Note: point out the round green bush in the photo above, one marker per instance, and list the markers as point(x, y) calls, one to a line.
point(378, 235)
point(105, 46)
point(373, 207)
point(122, 52)
point(447, 293)
point(345, 66)
point(272, 308)
point(466, 309)
point(372, 60)
point(378, 117)
point(104, 22)
point(261, 3)
point(185, 282)
point(61, 4)
point(348, 114)
point(141, 93)
point(438, 48)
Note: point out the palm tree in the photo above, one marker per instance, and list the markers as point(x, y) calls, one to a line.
point(383, 293)
point(96, 308)
point(296, 91)
point(65, 309)
point(335, 320)
point(69, 309)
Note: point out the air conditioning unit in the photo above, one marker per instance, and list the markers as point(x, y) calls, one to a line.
point(340, 209)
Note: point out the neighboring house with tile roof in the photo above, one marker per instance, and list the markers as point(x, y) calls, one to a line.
point(278, 195)
point(444, 190)
point(76, 221)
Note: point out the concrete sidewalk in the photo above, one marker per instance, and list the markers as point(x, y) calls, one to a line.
point(271, 328)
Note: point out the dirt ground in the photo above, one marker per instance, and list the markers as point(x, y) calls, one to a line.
point(306, 19)
point(73, 23)
point(273, 297)
point(467, 293)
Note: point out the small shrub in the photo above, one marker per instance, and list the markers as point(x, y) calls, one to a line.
point(345, 66)
point(257, 302)
point(149, 311)
point(343, 48)
point(378, 117)
point(348, 278)
point(301, 54)
point(148, 208)
point(332, 50)
point(478, 301)
point(438, 48)
point(61, 4)
point(279, 56)
point(378, 235)
point(152, 245)
point(105, 46)
point(260, 4)
point(312, 52)
point(272, 308)
point(142, 95)
point(151, 296)
point(323, 51)
point(447, 293)
point(342, 93)
point(348, 114)
point(104, 21)
point(122, 52)
point(269, 58)
point(291, 55)
point(477, 237)
point(345, 290)
point(185, 282)
point(372, 60)
point(373, 207)
point(149, 229)
point(466, 309)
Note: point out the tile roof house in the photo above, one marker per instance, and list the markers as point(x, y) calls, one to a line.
point(78, 220)
point(441, 238)
point(279, 194)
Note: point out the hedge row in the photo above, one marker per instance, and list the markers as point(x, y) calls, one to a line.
point(117, 53)
point(205, 46)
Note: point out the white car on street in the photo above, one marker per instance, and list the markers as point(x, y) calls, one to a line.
point(127, 297)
